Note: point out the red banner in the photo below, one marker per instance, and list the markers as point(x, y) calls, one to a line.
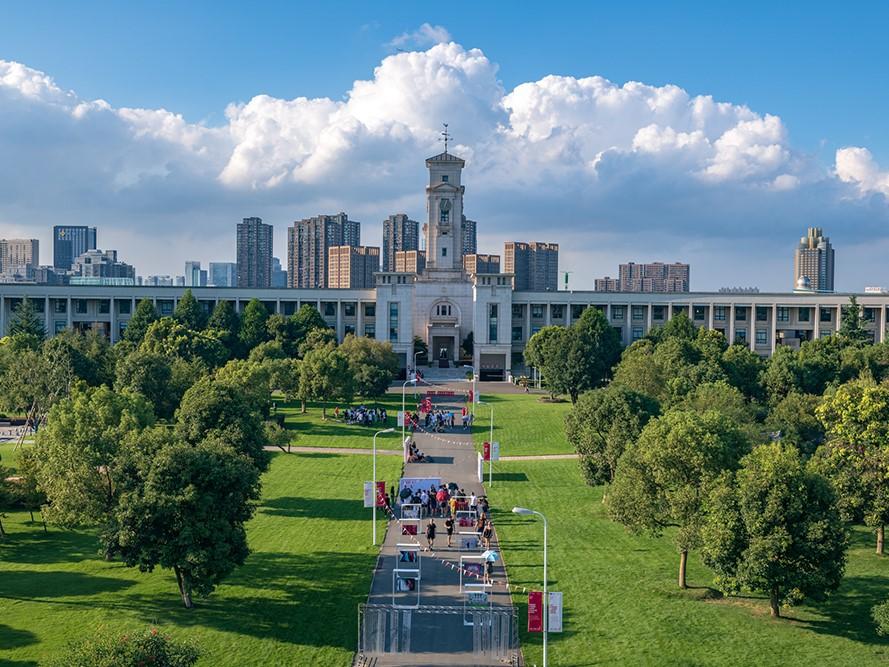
point(535, 611)
point(486, 451)
point(381, 494)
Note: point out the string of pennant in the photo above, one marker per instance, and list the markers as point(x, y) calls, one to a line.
point(453, 566)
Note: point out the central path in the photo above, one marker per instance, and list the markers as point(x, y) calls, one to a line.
point(439, 638)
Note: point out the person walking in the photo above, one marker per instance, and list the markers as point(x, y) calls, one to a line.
point(453, 505)
point(488, 534)
point(449, 526)
point(430, 532)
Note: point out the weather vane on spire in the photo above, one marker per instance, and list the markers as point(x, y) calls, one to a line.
point(445, 136)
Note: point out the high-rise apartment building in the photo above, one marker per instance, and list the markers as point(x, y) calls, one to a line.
point(475, 264)
point(279, 275)
point(69, 242)
point(308, 243)
point(19, 257)
point(656, 277)
point(223, 274)
point(410, 261)
point(813, 262)
point(254, 253)
point(399, 233)
point(535, 265)
point(468, 236)
point(195, 276)
point(102, 264)
point(352, 267)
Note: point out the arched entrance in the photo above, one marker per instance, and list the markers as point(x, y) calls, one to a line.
point(443, 333)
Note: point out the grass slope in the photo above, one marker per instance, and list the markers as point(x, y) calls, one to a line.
point(622, 604)
point(523, 424)
point(311, 430)
point(294, 602)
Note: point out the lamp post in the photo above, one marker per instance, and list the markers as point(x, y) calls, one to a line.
point(490, 445)
point(413, 381)
point(526, 512)
point(474, 392)
point(388, 430)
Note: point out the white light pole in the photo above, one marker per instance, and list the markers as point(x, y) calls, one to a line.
point(388, 430)
point(474, 392)
point(526, 512)
point(490, 446)
point(412, 381)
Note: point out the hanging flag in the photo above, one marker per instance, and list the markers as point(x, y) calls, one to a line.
point(535, 611)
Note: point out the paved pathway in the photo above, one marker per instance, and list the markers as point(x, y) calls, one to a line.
point(438, 639)
point(333, 450)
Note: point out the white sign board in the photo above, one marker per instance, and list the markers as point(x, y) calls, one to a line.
point(400, 418)
point(369, 494)
point(495, 451)
point(481, 469)
point(554, 621)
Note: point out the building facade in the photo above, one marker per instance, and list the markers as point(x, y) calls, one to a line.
point(410, 261)
point(400, 233)
point(475, 263)
point(195, 276)
point(656, 277)
point(101, 264)
point(69, 242)
point(255, 242)
point(468, 236)
point(222, 274)
point(813, 262)
point(535, 265)
point(19, 258)
point(352, 267)
point(308, 245)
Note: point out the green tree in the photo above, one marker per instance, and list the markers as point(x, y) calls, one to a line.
point(744, 369)
point(638, 371)
point(89, 355)
point(593, 350)
point(271, 349)
point(189, 312)
point(225, 325)
point(174, 341)
point(222, 410)
point(325, 375)
point(794, 418)
point(726, 400)
point(678, 326)
point(183, 506)
point(130, 650)
point(144, 316)
point(317, 338)
point(372, 363)
point(421, 350)
point(851, 327)
point(546, 351)
point(773, 527)
point(76, 454)
point(856, 418)
point(663, 478)
point(32, 381)
point(252, 379)
point(254, 325)
point(26, 320)
point(149, 374)
point(781, 375)
point(602, 424)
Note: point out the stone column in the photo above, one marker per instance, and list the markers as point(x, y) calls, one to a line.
point(50, 327)
point(710, 308)
point(527, 321)
point(359, 319)
point(568, 314)
point(816, 323)
point(112, 326)
point(751, 329)
point(650, 319)
point(69, 312)
point(339, 320)
point(839, 318)
point(774, 327)
point(549, 314)
point(670, 311)
point(731, 324)
point(881, 334)
point(2, 316)
point(278, 306)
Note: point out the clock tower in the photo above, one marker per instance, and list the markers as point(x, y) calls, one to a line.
point(444, 209)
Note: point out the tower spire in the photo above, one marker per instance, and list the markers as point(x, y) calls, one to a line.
point(445, 136)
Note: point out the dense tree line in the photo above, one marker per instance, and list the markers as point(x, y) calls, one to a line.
point(760, 464)
point(160, 440)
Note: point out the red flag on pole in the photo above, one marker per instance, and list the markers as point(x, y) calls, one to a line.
point(535, 611)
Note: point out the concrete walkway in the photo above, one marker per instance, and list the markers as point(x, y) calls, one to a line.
point(438, 638)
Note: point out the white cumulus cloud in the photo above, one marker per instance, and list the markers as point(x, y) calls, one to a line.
point(425, 35)
point(857, 166)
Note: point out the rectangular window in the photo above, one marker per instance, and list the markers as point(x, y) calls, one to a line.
point(370, 310)
point(869, 314)
point(617, 312)
point(61, 307)
point(165, 306)
point(638, 312)
point(762, 314)
point(558, 311)
point(535, 328)
point(348, 329)
point(393, 322)
point(740, 335)
point(61, 325)
point(826, 315)
point(659, 313)
point(803, 314)
point(80, 306)
point(104, 306)
point(740, 314)
point(516, 310)
point(125, 307)
point(444, 252)
point(492, 323)
point(370, 330)
point(577, 310)
point(783, 314)
point(699, 313)
point(329, 308)
point(517, 334)
point(537, 311)
point(719, 313)
point(444, 178)
point(637, 333)
point(762, 337)
point(349, 309)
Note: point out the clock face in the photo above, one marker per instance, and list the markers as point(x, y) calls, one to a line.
point(445, 204)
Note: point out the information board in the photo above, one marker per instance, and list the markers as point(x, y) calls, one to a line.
point(554, 621)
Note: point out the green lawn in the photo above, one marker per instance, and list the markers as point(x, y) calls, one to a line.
point(622, 605)
point(523, 424)
point(9, 455)
point(311, 430)
point(293, 603)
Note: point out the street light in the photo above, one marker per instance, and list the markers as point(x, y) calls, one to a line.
point(474, 393)
point(412, 381)
point(388, 430)
point(490, 446)
point(526, 512)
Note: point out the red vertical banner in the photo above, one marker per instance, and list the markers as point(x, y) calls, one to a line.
point(486, 451)
point(381, 494)
point(471, 396)
point(535, 611)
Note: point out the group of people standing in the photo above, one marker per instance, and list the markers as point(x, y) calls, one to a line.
point(362, 415)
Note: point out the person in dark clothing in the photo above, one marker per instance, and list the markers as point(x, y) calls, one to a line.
point(449, 526)
point(430, 532)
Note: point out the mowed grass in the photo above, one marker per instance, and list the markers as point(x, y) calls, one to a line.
point(524, 424)
point(10, 454)
point(622, 603)
point(293, 603)
point(312, 430)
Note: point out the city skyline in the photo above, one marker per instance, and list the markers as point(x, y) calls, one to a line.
point(628, 164)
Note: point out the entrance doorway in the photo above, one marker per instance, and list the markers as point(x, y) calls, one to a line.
point(442, 349)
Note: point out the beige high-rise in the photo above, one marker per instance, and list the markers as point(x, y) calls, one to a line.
point(352, 267)
point(535, 265)
point(813, 262)
point(19, 256)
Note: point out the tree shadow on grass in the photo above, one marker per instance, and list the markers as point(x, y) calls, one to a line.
point(510, 477)
point(55, 546)
point(39, 585)
point(326, 508)
point(11, 638)
point(848, 613)
point(307, 599)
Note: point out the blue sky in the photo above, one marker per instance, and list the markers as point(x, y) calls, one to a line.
point(616, 172)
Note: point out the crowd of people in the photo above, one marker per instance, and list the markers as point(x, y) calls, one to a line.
point(362, 415)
